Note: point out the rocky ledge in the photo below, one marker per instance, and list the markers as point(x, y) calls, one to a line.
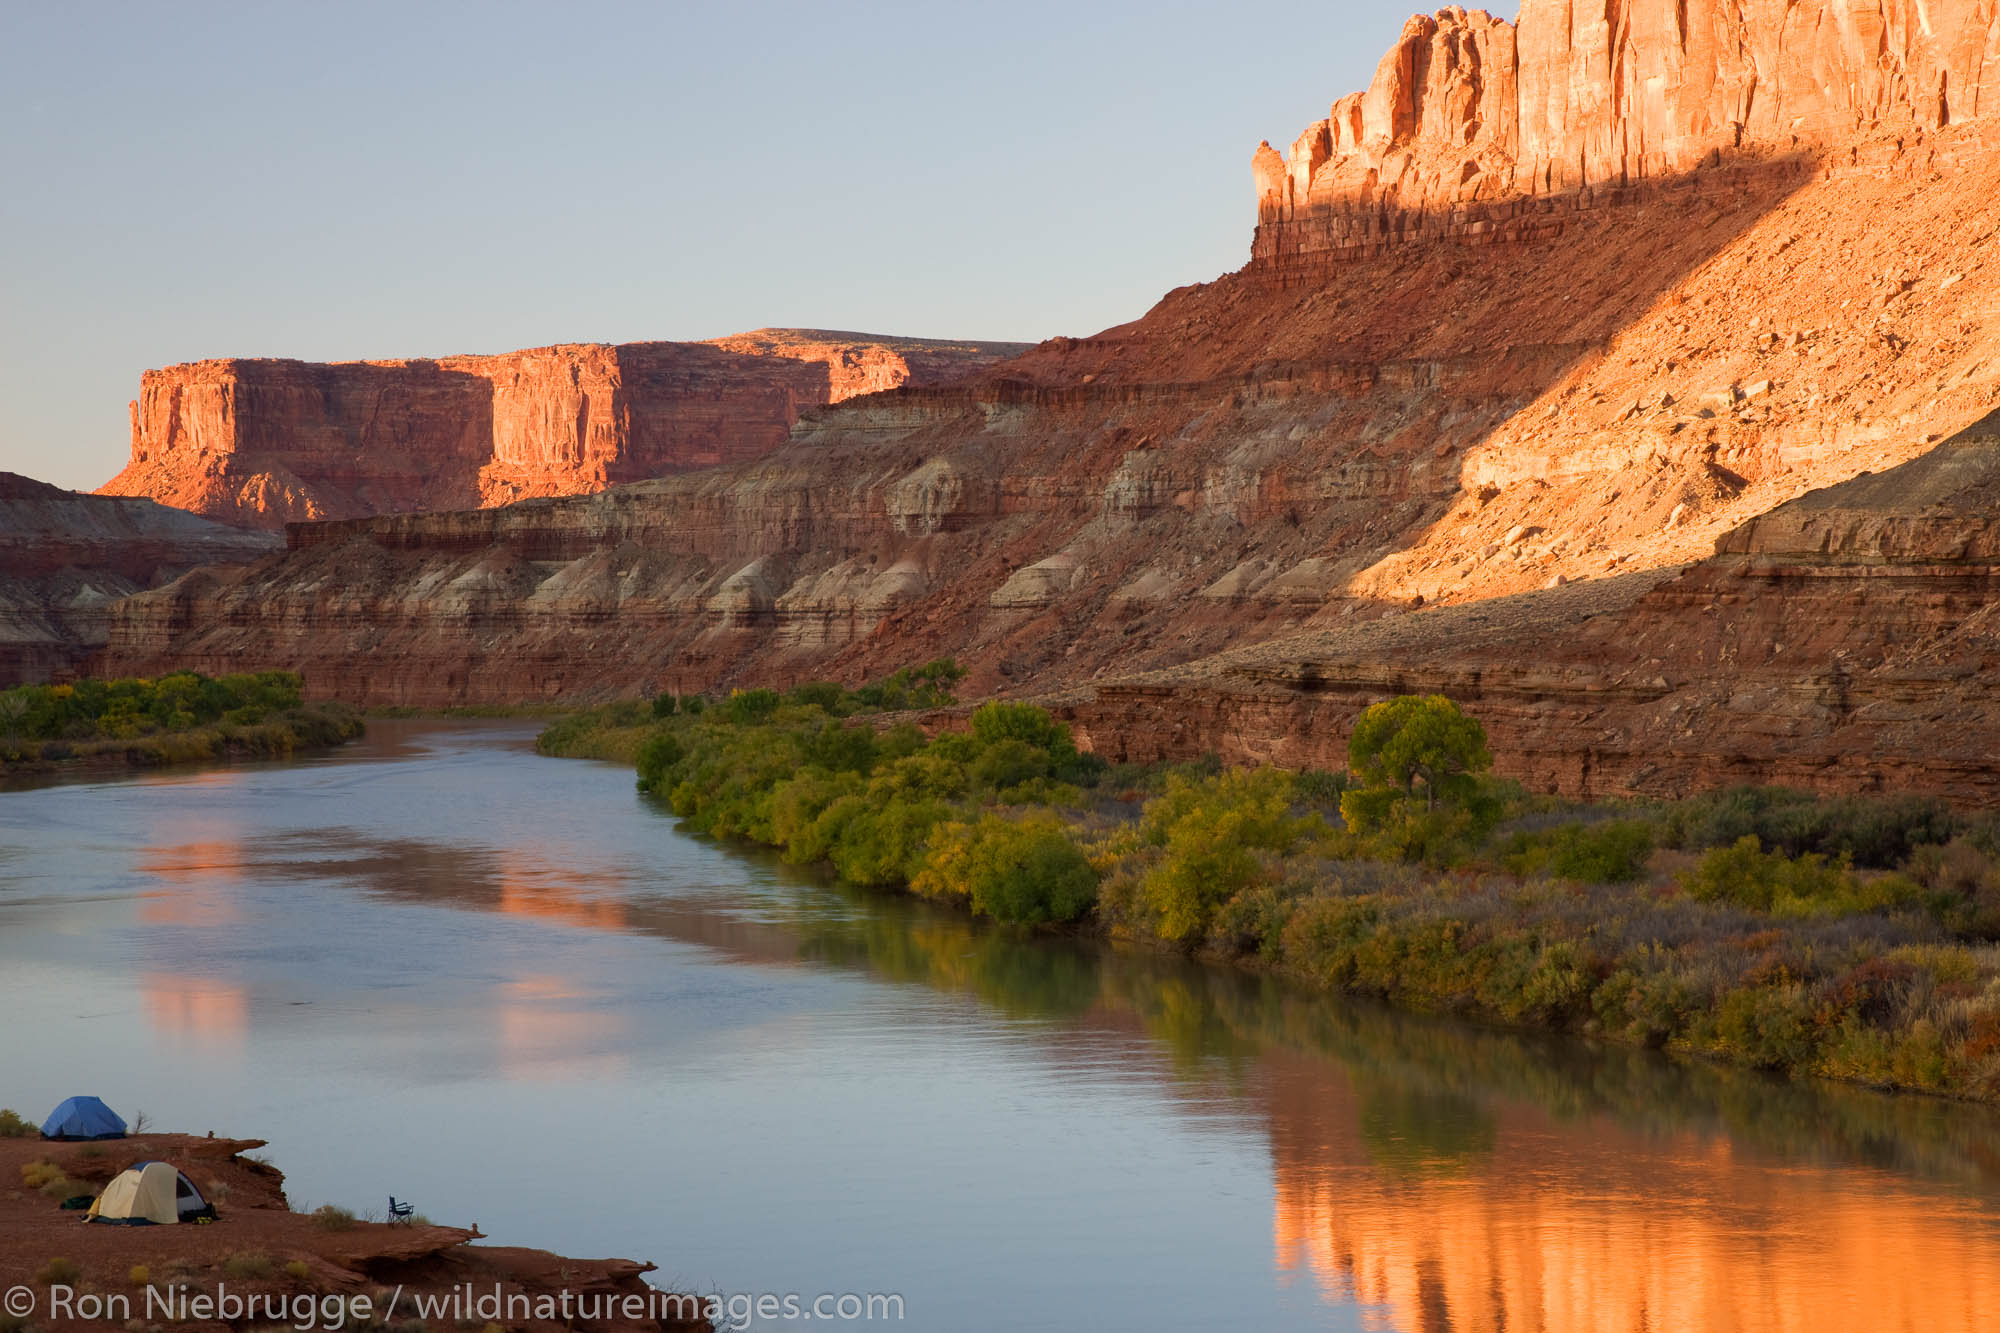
point(304, 1270)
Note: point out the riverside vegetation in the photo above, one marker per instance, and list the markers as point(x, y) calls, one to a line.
point(177, 718)
point(1851, 938)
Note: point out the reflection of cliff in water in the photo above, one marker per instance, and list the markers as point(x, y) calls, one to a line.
point(1450, 1177)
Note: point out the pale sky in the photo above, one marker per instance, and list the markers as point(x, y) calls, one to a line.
point(339, 181)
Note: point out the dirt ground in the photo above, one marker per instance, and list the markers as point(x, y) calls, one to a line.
point(284, 1268)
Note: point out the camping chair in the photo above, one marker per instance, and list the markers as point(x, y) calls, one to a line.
point(400, 1212)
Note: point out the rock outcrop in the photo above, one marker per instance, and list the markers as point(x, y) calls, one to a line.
point(65, 558)
point(1524, 438)
point(265, 442)
point(1846, 641)
point(1476, 128)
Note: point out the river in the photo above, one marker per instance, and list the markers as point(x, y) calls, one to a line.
point(436, 965)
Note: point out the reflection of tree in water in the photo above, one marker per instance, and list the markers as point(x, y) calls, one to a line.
point(1019, 977)
point(1424, 1131)
point(1427, 1080)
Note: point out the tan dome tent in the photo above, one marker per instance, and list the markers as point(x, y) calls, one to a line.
point(150, 1193)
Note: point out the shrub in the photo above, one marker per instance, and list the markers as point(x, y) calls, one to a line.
point(1769, 1027)
point(822, 694)
point(55, 1272)
point(1747, 876)
point(1025, 871)
point(60, 1187)
point(1871, 831)
point(694, 705)
point(656, 757)
point(665, 704)
point(12, 1126)
point(1001, 721)
point(140, 1275)
point(1612, 851)
point(1210, 832)
point(1253, 922)
point(298, 1270)
point(327, 1217)
point(840, 748)
point(1319, 786)
point(879, 844)
point(37, 1174)
point(247, 1264)
point(926, 686)
point(748, 707)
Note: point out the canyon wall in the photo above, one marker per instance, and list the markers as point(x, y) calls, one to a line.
point(1475, 128)
point(1846, 641)
point(1523, 438)
point(66, 558)
point(265, 442)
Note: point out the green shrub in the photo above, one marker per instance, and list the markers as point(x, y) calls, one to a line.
point(12, 1126)
point(1612, 851)
point(1874, 832)
point(825, 695)
point(1024, 871)
point(1319, 786)
point(657, 757)
point(1210, 832)
point(1747, 876)
point(1768, 1027)
point(880, 843)
point(665, 704)
point(1253, 922)
point(749, 707)
point(926, 686)
point(841, 748)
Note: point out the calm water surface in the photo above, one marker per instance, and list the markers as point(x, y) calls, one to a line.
point(438, 966)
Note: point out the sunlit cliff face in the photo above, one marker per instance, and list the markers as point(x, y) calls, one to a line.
point(1445, 1214)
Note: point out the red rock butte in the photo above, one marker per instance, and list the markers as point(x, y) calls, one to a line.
point(264, 442)
point(1591, 370)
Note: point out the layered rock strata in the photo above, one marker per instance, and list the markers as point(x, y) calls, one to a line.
point(265, 442)
point(1846, 641)
point(65, 558)
point(1476, 128)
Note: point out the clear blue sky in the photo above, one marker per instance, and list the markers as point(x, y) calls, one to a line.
point(350, 180)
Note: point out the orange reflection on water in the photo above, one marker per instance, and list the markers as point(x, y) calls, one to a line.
point(197, 877)
point(546, 1036)
point(201, 1006)
point(1591, 1228)
point(532, 888)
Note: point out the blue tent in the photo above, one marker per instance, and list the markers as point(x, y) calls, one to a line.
point(83, 1118)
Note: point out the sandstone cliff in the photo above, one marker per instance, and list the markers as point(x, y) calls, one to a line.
point(65, 558)
point(264, 442)
point(1474, 127)
point(1313, 444)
